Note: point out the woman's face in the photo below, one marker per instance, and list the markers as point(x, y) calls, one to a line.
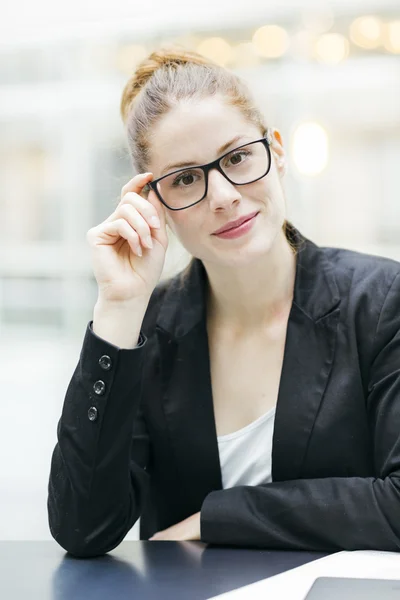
point(193, 132)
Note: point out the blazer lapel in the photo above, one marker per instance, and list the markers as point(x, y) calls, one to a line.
point(187, 392)
point(308, 358)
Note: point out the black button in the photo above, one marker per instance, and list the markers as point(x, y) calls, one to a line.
point(105, 362)
point(99, 387)
point(92, 413)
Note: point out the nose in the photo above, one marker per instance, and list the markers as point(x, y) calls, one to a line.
point(221, 193)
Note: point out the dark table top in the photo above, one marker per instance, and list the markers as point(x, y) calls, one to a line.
point(140, 570)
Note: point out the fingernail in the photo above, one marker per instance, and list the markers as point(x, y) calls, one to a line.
point(139, 251)
point(149, 241)
point(155, 222)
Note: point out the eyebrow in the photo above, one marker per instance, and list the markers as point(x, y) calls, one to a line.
point(220, 150)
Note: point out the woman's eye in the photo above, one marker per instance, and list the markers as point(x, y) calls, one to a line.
point(237, 158)
point(185, 179)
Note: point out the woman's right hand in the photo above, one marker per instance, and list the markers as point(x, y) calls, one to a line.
point(122, 274)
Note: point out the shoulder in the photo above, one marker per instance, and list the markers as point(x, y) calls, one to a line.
point(369, 289)
point(362, 274)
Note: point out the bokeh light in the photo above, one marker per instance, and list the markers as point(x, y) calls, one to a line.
point(271, 41)
point(366, 32)
point(392, 41)
point(332, 48)
point(310, 148)
point(216, 49)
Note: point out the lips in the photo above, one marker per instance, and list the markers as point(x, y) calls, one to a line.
point(236, 223)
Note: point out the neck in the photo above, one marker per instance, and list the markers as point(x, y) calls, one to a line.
point(252, 296)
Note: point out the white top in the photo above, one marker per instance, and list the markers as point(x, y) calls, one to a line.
point(246, 455)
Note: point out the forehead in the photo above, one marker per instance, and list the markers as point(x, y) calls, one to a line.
point(194, 130)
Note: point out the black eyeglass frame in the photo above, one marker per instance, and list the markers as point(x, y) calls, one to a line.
point(215, 164)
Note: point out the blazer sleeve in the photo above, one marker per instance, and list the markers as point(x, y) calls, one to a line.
point(334, 513)
point(96, 489)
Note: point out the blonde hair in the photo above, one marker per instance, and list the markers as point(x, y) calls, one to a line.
point(167, 77)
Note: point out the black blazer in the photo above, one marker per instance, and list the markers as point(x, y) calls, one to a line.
point(151, 449)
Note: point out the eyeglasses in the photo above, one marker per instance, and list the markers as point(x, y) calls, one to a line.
point(186, 187)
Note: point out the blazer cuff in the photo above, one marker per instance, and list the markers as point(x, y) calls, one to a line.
point(141, 342)
point(216, 518)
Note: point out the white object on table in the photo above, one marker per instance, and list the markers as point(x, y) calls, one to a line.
point(295, 584)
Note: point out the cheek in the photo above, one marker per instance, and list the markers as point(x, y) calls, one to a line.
point(273, 184)
point(261, 191)
point(185, 224)
point(180, 228)
point(174, 222)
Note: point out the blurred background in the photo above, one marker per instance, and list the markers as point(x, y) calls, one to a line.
point(327, 75)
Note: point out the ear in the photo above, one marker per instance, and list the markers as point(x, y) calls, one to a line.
point(278, 151)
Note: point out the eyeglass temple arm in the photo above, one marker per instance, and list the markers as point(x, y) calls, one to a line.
point(269, 136)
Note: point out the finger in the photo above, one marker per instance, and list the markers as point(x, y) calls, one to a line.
point(151, 203)
point(137, 222)
point(136, 184)
point(144, 207)
point(109, 232)
point(159, 206)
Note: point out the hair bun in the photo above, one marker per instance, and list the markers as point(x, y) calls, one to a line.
point(170, 56)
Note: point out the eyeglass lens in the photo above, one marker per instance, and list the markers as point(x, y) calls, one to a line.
point(242, 165)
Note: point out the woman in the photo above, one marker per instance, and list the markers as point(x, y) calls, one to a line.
point(251, 400)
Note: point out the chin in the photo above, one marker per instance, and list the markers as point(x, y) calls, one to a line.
point(240, 256)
